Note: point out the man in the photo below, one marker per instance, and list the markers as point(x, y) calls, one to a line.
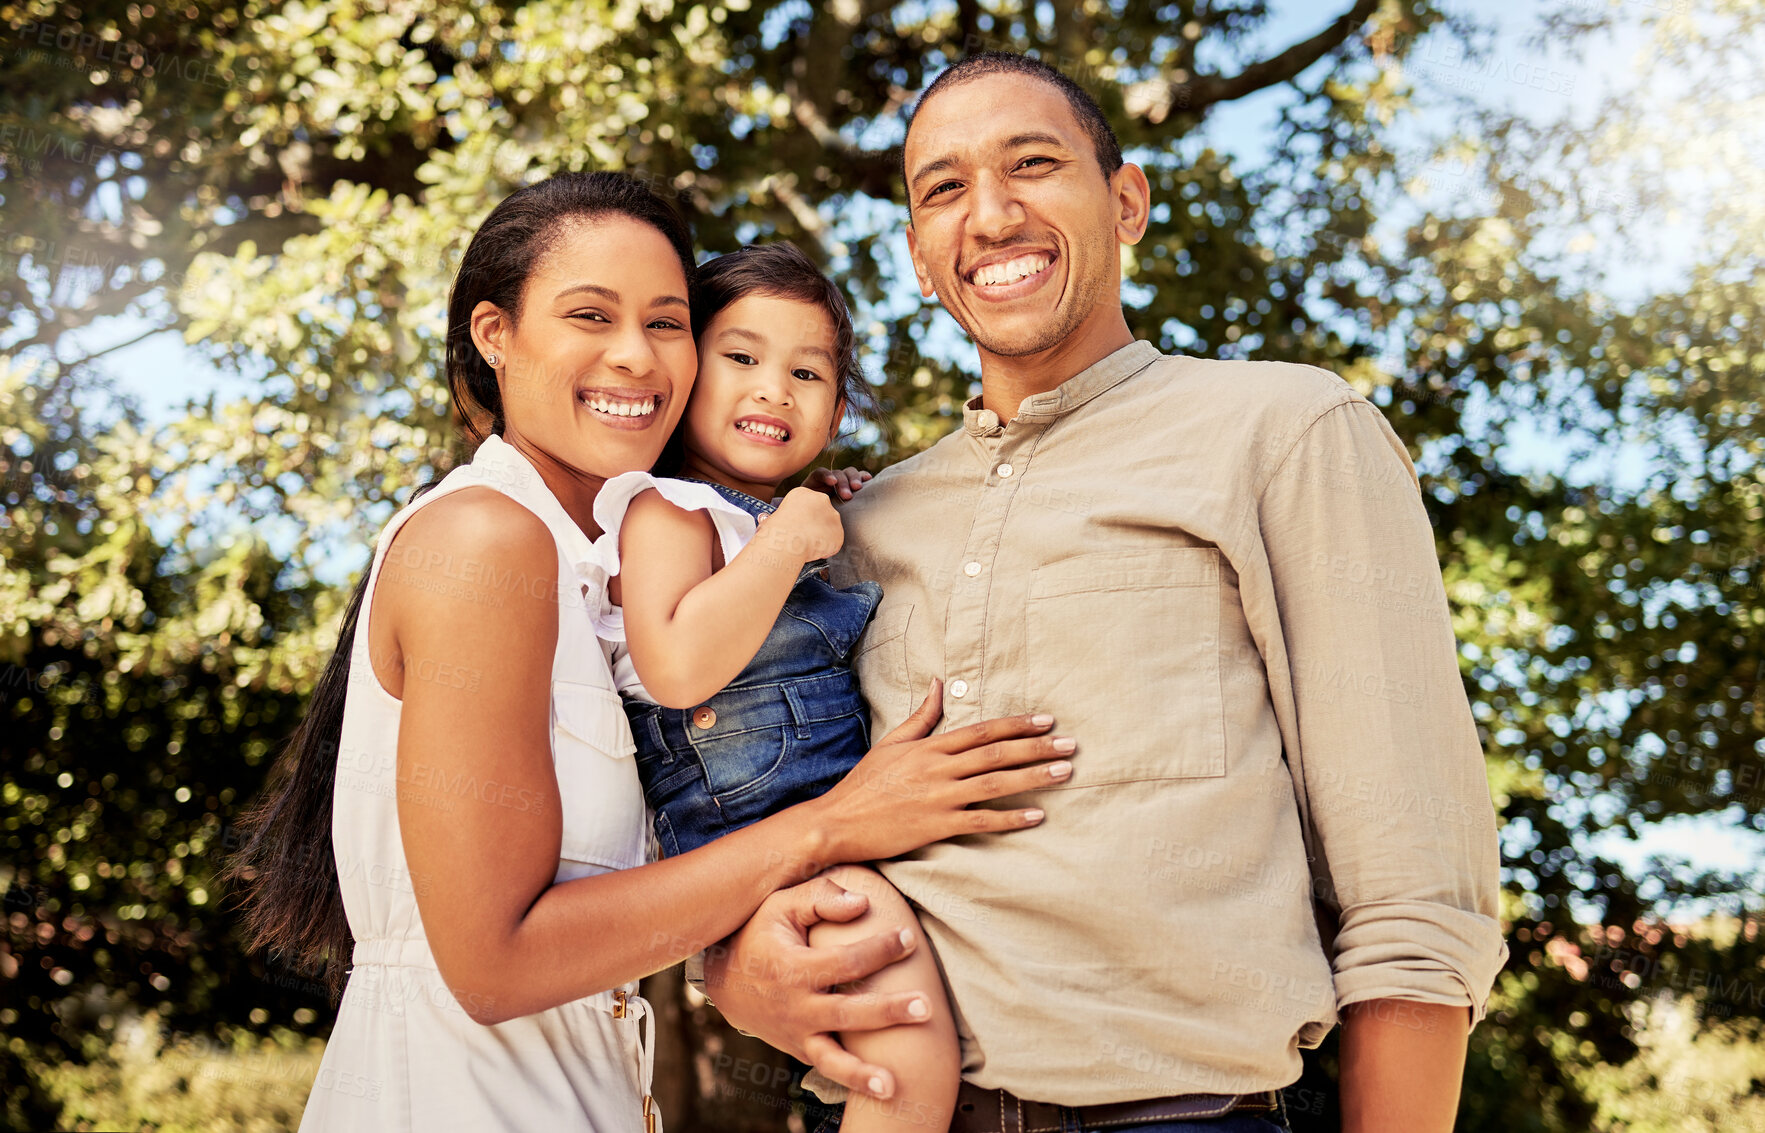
point(1219, 577)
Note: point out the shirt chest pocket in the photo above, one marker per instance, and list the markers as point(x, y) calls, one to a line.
point(881, 666)
point(602, 800)
point(1124, 648)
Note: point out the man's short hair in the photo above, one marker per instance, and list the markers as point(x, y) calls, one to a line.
point(1084, 107)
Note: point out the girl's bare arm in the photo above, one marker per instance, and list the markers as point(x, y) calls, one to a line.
point(692, 629)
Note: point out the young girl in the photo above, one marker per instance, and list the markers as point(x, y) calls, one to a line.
point(736, 655)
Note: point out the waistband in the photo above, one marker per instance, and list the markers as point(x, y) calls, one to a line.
point(999, 1111)
point(413, 952)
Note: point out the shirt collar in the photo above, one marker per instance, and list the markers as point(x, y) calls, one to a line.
point(1102, 375)
point(502, 464)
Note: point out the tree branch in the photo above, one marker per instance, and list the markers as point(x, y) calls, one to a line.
point(146, 334)
point(64, 319)
point(871, 172)
point(968, 22)
point(1195, 95)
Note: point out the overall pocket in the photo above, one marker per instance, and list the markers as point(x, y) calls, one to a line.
point(1124, 649)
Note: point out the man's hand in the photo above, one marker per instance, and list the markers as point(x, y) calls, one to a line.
point(842, 483)
point(768, 982)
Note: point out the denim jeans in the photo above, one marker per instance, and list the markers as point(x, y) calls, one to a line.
point(790, 726)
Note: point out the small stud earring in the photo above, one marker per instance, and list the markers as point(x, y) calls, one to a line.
point(490, 359)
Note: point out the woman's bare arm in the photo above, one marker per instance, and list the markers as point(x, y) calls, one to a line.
point(508, 941)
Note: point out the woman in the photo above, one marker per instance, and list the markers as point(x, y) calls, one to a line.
point(468, 757)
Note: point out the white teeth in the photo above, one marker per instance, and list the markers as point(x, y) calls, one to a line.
point(764, 430)
point(601, 403)
point(1010, 271)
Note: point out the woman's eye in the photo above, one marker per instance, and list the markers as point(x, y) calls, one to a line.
point(666, 324)
point(591, 316)
point(806, 375)
point(741, 359)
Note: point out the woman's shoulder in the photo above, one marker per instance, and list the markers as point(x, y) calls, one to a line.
point(474, 525)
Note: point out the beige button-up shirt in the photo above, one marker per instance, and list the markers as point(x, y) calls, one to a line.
point(1219, 576)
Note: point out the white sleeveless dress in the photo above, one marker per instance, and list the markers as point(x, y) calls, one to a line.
point(404, 1055)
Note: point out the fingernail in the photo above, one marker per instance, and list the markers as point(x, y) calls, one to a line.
point(1032, 816)
point(917, 1009)
point(1066, 743)
point(1060, 770)
point(876, 1085)
point(1041, 720)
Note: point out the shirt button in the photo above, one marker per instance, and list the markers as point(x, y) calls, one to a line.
point(1004, 471)
point(971, 569)
point(958, 689)
point(704, 716)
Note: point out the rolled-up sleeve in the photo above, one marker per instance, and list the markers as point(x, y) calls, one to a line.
point(1379, 735)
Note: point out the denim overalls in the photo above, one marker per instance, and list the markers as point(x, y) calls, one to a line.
point(790, 726)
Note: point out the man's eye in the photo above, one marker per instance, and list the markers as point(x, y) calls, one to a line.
point(806, 375)
point(945, 185)
point(1028, 161)
point(741, 359)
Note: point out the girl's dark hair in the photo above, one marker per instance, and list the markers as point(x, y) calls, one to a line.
point(782, 271)
point(284, 863)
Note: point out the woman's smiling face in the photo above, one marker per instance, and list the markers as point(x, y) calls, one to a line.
point(767, 399)
point(597, 368)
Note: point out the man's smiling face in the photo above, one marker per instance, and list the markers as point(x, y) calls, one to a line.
point(1014, 225)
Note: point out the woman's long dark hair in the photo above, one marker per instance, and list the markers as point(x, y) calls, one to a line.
point(284, 867)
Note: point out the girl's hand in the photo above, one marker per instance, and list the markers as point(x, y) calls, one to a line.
point(914, 788)
point(805, 527)
point(842, 483)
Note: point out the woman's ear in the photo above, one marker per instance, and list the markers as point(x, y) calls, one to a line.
point(490, 332)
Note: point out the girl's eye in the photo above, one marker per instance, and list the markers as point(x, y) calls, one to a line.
point(741, 359)
point(806, 375)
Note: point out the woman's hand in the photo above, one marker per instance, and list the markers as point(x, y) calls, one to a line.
point(914, 788)
point(843, 482)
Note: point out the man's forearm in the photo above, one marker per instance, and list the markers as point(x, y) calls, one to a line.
point(1402, 1064)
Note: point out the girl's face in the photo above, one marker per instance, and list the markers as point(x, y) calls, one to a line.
point(597, 371)
point(767, 399)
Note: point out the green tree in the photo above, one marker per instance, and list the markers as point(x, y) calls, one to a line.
point(289, 185)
